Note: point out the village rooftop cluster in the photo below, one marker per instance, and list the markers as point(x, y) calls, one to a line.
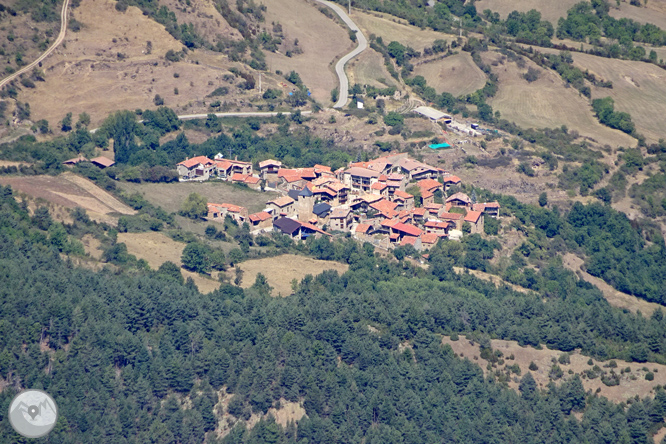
point(368, 199)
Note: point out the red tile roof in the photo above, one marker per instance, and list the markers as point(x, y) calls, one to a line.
point(452, 179)
point(403, 195)
point(270, 162)
point(492, 205)
point(313, 228)
point(282, 201)
point(473, 216)
point(230, 207)
point(419, 211)
point(461, 197)
point(407, 229)
point(291, 178)
point(429, 184)
point(389, 223)
point(384, 206)
point(382, 178)
point(103, 161)
point(479, 207)
point(425, 194)
point(260, 216)
point(322, 169)
point(363, 228)
point(429, 238)
point(378, 186)
point(451, 216)
point(436, 224)
point(408, 240)
point(189, 163)
point(394, 236)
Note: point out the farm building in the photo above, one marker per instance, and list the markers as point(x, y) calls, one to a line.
point(432, 114)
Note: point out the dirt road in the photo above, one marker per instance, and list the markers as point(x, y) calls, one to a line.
point(61, 37)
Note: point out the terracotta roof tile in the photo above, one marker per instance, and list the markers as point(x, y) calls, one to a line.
point(260, 216)
point(363, 228)
point(407, 229)
point(282, 201)
point(473, 216)
point(189, 163)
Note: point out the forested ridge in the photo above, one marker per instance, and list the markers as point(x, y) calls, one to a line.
point(138, 357)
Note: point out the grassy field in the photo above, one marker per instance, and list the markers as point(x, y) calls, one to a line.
point(157, 248)
point(653, 12)
point(390, 28)
point(457, 74)
point(550, 10)
point(547, 103)
point(70, 191)
point(280, 270)
point(321, 39)
point(627, 388)
point(171, 196)
point(638, 88)
point(368, 68)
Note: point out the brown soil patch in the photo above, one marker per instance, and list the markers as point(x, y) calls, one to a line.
point(157, 248)
point(547, 103)
point(322, 40)
point(70, 191)
point(550, 10)
point(280, 270)
point(614, 297)
point(171, 196)
point(288, 411)
point(628, 388)
point(457, 74)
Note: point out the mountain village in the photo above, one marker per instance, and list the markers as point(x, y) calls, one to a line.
point(367, 199)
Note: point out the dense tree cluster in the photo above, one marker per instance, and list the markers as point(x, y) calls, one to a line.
point(121, 352)
point(591, 21)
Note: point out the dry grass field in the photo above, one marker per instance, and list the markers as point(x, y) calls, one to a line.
point(390, 28)
point(653, 12)
point(322, 40)
point(638, 88)
point(70, 191)
point(107, 66)
point(368, 68)
point(171, 196)
point(628, 387)
point(550, 10)
point(457, 74)
point(157, 248)
point(547, 103)
point(280, 270)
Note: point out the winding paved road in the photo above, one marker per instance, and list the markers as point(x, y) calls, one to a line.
point(340, 66)
point(61, 37)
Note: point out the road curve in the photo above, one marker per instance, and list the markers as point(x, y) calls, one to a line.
point(340, 66)
point(61, 37)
